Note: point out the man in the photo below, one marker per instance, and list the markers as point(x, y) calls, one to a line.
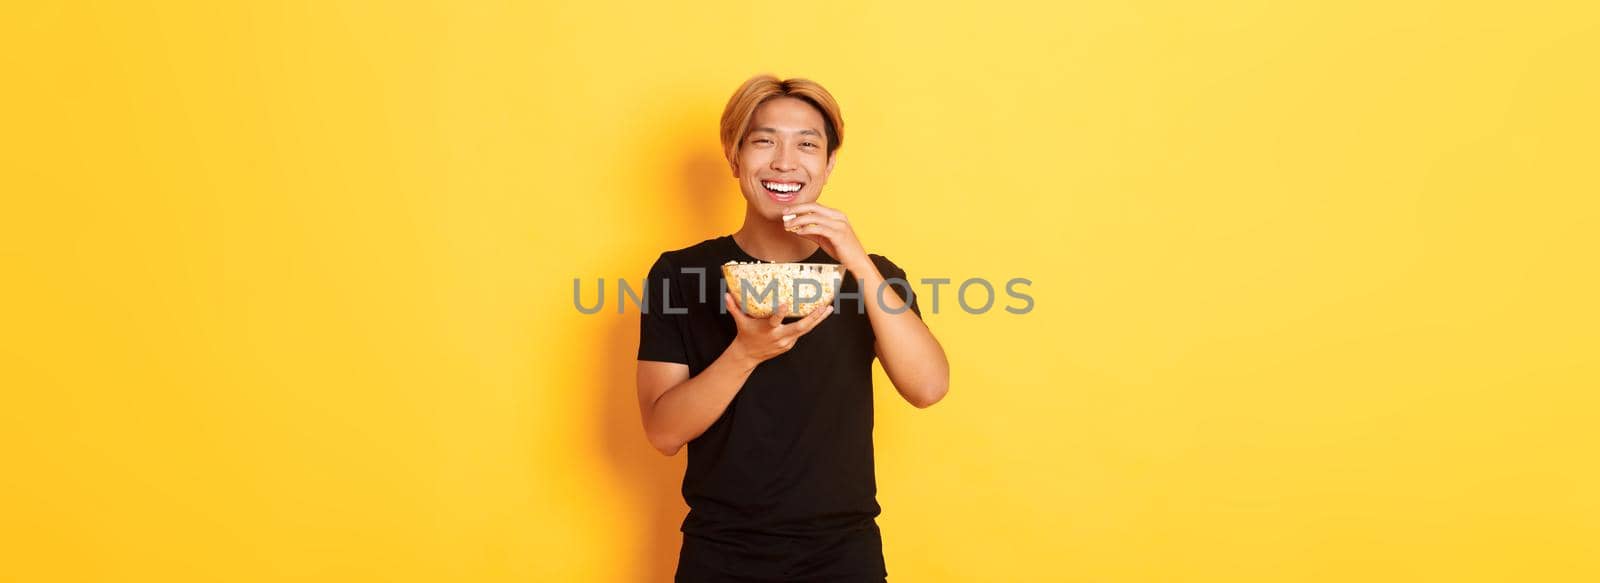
point(778, 416)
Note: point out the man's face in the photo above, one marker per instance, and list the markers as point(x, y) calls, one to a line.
point(784, 159)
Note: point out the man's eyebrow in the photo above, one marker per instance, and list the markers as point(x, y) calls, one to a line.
point(804, 132)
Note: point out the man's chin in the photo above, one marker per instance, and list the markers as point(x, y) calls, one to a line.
point(773, 210)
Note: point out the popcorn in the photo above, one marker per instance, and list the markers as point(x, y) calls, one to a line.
point(759, 302)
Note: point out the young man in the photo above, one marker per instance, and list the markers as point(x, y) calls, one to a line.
point(778, 416)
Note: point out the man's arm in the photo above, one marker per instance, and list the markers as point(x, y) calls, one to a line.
point(677, 408)
point(911, 356)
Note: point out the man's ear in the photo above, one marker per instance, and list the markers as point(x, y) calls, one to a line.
point(735, 167)
point(834, 157)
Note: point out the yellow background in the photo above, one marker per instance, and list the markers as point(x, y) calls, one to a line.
point(287, 285)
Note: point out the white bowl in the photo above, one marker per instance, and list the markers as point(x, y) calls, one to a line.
point(818, 282)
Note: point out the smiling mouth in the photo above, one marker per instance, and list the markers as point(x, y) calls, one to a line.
point(782, 191)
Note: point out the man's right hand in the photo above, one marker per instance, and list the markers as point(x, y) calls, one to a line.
point(764, 338)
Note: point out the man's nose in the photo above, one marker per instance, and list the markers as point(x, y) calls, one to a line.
point(783, 161)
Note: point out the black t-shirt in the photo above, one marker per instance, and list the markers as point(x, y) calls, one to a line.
point(782, 485)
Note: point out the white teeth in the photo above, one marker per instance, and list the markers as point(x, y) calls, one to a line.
point(780, 187)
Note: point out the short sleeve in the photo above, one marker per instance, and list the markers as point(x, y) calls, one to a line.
point(662, 335)
point(898, 281)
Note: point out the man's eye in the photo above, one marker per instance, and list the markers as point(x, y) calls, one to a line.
point(763, 141)
point(809, 144)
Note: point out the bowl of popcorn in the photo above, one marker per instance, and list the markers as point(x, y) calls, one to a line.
point(761, 287)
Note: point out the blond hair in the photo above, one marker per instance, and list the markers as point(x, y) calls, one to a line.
point(760, 88)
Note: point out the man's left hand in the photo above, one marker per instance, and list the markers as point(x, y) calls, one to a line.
point(830, 229)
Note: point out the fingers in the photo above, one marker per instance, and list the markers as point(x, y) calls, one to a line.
point(733, 307)
point(814, 229)
point(813, 208)
point(777, 317)
point(811, 320)
point(809, 223)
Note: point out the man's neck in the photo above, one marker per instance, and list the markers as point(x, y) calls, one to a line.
point(766, 240)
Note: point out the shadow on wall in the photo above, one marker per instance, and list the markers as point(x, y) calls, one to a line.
point(652, 482)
